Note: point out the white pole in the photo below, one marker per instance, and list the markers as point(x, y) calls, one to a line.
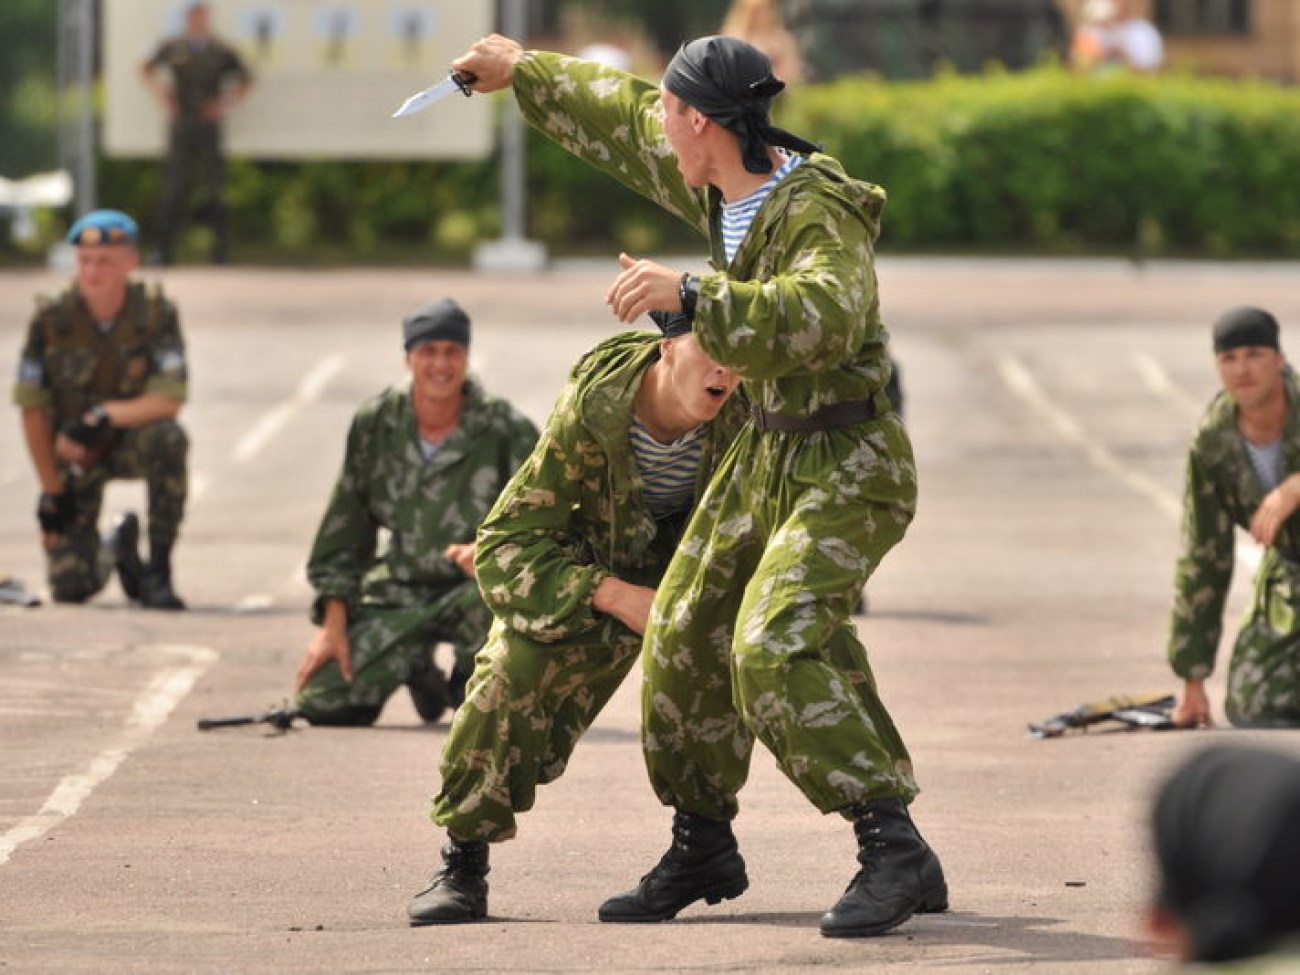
point(83, 59)
point(513, 252)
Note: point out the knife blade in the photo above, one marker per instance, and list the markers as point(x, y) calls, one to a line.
point(455, 81)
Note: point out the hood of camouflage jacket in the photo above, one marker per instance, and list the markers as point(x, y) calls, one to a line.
point(819, 175)
point(605, 382)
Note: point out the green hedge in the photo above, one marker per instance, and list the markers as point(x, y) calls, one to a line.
point(1040, 162)
point(1048, 161)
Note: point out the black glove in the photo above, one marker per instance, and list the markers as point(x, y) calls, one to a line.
point(90, 429)
point(56, 512)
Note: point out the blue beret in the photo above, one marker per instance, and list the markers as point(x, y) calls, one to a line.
point(104, 227)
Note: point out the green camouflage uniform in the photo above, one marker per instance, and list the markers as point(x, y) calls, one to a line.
point(199, 74)
point(1223, 490)
point(752, 630)
point(573, 515)
point(404, 601)
point(68, 365)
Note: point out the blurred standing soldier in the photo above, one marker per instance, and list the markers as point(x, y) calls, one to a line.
point(759, 23)
point(208, 79)
point(1243, 469)
point(751, 631)
point(568, 560)
point(101, 380)
point(424, 461)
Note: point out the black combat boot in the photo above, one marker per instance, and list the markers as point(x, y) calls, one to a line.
point(457, 892)
point(428, 689)
point(900, 875)
point(703, 862)
point(123, 544)
point(156, 582)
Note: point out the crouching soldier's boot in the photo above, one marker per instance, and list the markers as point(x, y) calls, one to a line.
point(703, 862)
point(123, 544)
point(900, 875)
point(457, 892)
point(156, 590)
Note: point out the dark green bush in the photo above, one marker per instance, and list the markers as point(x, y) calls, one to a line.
point(1048, 161)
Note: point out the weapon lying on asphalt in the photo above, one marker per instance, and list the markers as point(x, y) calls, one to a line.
point(281, 719)
point(1151, 711)
point(13, 591)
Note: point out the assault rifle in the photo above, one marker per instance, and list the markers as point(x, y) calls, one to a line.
point(13, 591)
point(281, 719)
point(1151, 711)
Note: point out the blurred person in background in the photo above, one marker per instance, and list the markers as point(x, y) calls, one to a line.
point(1226, 832)
point(207, 79)
point(1110, 37)
point(759, 23)
point(101, 379)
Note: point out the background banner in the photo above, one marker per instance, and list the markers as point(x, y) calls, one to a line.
point(327, 76)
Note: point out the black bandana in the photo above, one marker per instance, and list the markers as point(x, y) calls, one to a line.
point(732, 83)
point(1245, 327)
point(443, 320)
point(1228, 850)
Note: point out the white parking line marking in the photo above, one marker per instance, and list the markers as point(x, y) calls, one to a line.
point(1158, 381)
point(149, 711)
point(270, 422)
point(255, 603)
point(1022, 382)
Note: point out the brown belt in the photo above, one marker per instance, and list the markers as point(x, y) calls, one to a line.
point(827, 418)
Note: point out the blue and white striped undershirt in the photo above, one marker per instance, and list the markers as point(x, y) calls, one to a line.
point(668, 470)
point(736, 217)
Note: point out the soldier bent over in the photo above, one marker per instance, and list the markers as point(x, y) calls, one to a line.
point(101, 379)
point(568, 561)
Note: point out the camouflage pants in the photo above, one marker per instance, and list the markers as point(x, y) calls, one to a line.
point(194, 146)
point(528, 703)
point(1264, 676)
point(77, 565)
point(751, 633)
point(388, 643)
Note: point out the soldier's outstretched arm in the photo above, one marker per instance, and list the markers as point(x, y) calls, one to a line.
point(491, 60)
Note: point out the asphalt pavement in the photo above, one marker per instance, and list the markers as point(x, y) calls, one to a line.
point(1050, 402)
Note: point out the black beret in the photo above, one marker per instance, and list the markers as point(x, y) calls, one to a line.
point(1245, 326)
point(443, 319)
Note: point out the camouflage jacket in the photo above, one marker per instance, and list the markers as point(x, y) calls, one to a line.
point(574, 513)
point(198, 73)
point(1221, 490)
point(68, 365)
point(796, 312)
point(424, 506)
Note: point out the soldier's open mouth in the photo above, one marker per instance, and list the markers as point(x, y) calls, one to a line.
point(717, 392)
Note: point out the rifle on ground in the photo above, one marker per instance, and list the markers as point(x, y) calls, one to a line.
point(281, 719)
point(1151, 711)
point(13, 591)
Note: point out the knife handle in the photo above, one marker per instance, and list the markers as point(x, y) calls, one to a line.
point(463, 80)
